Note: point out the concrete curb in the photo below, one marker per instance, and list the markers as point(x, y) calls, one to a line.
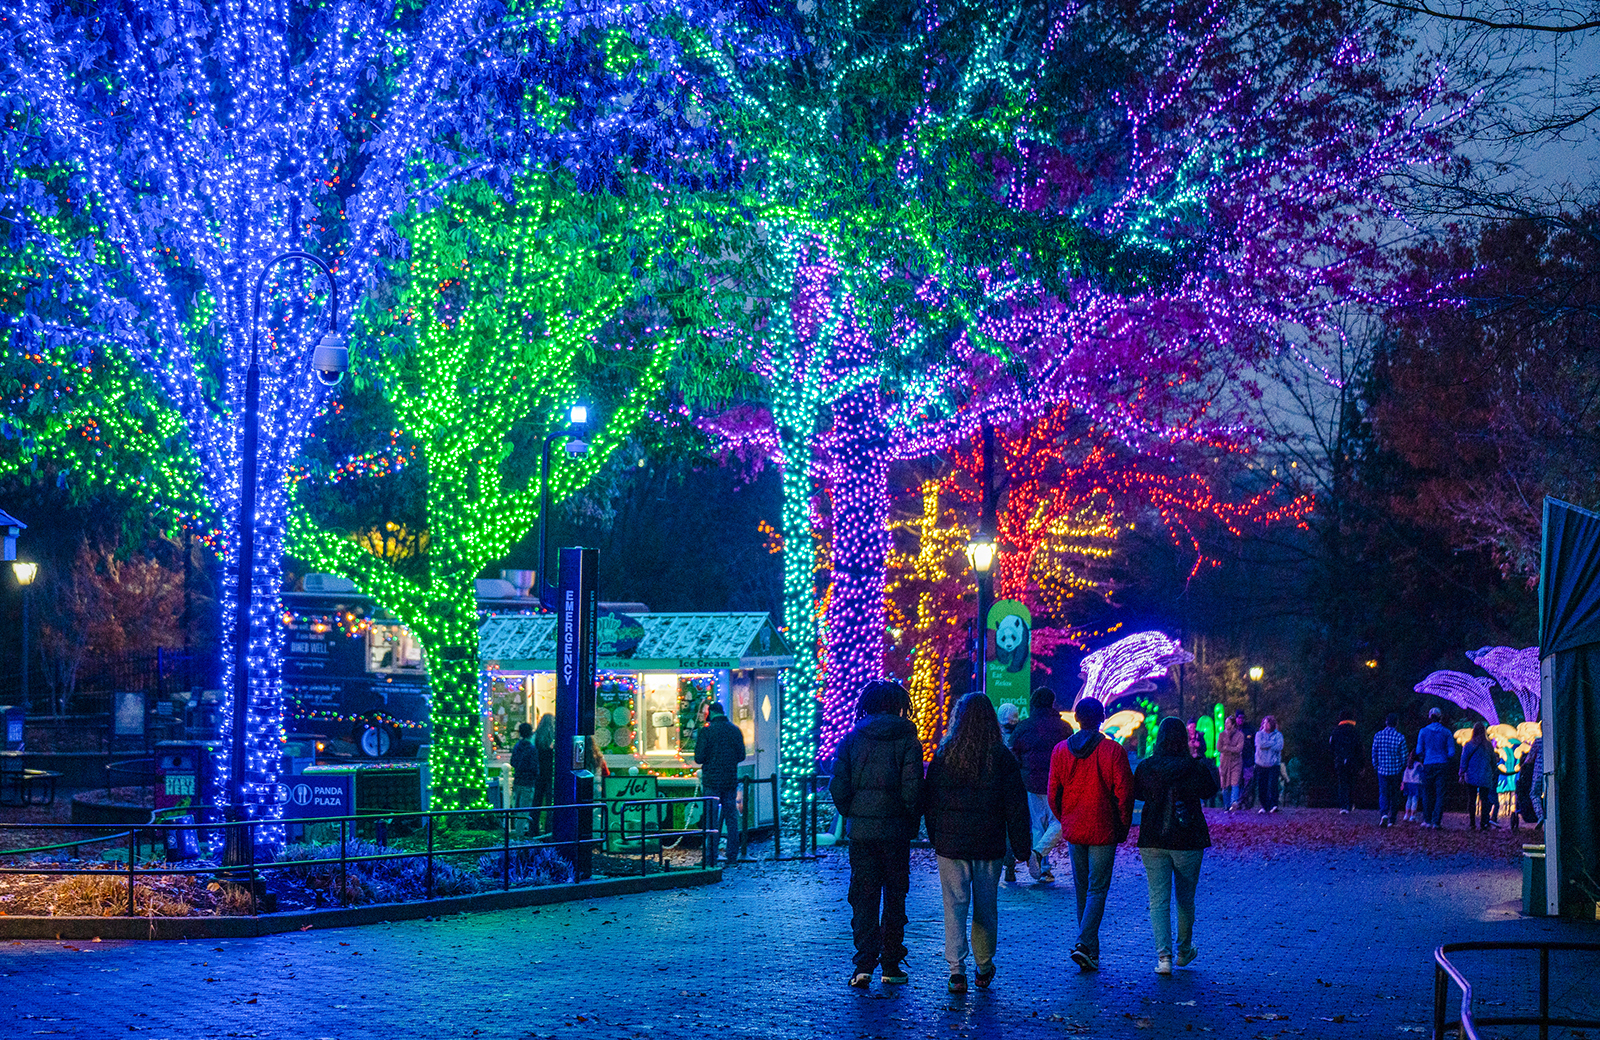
point(89, 928)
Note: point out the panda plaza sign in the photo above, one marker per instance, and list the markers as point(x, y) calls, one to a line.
point(305, 796)
point(1008, 677)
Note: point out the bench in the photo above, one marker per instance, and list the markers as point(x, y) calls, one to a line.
point(19, 786)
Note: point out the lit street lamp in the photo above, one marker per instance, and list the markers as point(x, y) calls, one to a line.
point(329, 360)
point(577, 426)
point(25, 573)
point(980, 554)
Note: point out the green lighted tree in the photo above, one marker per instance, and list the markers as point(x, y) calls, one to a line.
point(503, 314)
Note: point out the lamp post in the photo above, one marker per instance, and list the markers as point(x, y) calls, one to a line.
point(1257, 673)
point(577, 426)
point(980, 554)
point(329, 360)
point(25, 573)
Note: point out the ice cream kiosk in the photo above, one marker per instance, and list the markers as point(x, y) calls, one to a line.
point(657, 675)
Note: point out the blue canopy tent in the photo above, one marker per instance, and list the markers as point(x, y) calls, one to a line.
point(1569, 670)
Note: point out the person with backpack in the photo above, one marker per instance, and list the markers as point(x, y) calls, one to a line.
point(1091, 792)
point(973, 800)
point(877, 790)
point(1034, 743)
point(1173, 837)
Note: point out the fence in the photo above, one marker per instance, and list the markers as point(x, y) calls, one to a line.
point(1444, 972)
point(249, 872)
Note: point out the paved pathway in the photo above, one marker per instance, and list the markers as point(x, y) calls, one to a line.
point(1302, 932)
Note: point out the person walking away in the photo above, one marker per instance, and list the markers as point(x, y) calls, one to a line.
point(1526, 809)
point(1345, 744)
point(1247, 778)
point(1436, 745)
point(1173, 837)
point(1010, 718)
point(544, 750)
point(524, 774)
point(1091, 792)
point(1230, 760)
point(718, 749)
point(1269, 756)
point(877, 790)
point(1034, 743)
point(1479, 772)
point(973, 800)
point(1412, 779)
point(1389, 762)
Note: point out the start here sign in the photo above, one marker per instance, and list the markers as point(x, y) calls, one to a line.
point(309, 797)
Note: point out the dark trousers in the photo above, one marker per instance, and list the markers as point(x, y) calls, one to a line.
point(1435, 780)
point(541, 797)
point(1346, 776)
point(880, 877)
point(1389, 797)
point(726, 816)
point(1267, 786)
point(1486, 799)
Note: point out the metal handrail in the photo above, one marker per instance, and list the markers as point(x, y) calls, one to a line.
point(1467, 1025)
point(644, 837)
point(252, 869)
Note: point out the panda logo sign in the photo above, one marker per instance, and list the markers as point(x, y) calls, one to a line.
point(1008, 678)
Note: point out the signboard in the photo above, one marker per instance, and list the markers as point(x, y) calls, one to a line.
point(618, 635)
point(577, 608)
point(127, 713)
point(308, 796)
point(1008, 678)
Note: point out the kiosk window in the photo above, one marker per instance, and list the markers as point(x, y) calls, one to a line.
point(392, 648)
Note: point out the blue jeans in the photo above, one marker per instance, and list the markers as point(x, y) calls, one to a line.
point(1435, 781)
point(973, 883)
point(727, 818)
point(1168, 870)
point(1389, 796)
point(1091, 880)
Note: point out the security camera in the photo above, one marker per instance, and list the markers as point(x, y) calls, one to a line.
point(577, 447)
point(331, 359)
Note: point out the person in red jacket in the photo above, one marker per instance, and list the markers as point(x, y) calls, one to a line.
point(1091, 793)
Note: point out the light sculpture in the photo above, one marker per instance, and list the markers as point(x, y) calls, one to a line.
point(1129, 666)
point(1467, 691)
point(1516, 671)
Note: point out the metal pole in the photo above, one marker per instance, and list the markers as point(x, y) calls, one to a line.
point(245, 544)
point(547, 588)
point(27, 594)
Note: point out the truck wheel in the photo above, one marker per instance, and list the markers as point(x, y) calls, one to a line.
point(375, 740)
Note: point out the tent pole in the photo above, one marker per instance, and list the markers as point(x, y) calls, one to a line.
point(1547, 730)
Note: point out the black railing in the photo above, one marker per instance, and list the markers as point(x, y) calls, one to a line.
point(249, 874)
point(1444, 972)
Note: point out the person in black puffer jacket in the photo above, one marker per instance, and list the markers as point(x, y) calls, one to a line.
point(974, 801)
point(1033, 744)
point(1173, 836)
point(877, 789)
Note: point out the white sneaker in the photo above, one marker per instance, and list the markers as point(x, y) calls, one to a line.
point(1274, 808)
point(1164, 966)
point(1344, 812)
point(1261, 810)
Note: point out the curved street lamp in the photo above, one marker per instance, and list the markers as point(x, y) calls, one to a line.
point(329, 360)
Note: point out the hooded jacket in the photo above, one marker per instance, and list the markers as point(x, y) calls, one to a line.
point(1033, 744)
point(970, 817)
point(1091, 789)
point(1160, 782)
point(877, 779)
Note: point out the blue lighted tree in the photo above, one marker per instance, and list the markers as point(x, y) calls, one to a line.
point(160, 154)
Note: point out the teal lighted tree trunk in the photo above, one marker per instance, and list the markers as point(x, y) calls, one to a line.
point(502, 317)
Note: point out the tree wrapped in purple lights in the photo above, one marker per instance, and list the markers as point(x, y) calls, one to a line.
point(158, 155)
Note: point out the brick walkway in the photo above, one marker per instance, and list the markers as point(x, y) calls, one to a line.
point(1311, 925)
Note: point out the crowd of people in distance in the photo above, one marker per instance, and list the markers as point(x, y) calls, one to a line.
point(980, 799)
point(1420, 774)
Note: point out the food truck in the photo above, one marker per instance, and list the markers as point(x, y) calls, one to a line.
point(350, 673)
point(657, 674)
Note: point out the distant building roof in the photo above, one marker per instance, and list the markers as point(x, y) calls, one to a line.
point(668, 641)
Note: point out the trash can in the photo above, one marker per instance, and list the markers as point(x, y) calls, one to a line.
point(1533, 899)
